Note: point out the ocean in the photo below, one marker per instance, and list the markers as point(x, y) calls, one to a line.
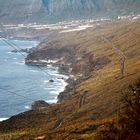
point(21, 84)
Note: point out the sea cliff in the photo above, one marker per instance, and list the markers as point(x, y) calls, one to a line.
point(94, 93)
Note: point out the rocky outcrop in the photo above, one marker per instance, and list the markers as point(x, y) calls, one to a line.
point(39, 104)
point(60, 57)
point(89, 63)
point(21, 50)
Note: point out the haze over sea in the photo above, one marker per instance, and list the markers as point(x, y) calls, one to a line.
point(28, 81)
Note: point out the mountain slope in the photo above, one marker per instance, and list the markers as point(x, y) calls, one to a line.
point(54, 10)
point(102, 87)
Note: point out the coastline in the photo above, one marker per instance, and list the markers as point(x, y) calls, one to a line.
point(51, 102)
point(63, 77)
point(58, 77)
point(62, 89)
point(94, 100)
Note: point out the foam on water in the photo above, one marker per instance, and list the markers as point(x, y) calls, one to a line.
point(15, 58)
point(51, 101)
point(25, 80)
point(9, 52)
point(3, 119)
point(19, 63)
point(27, 107)
point(33, 71)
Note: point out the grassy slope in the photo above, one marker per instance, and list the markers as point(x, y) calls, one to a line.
point(102, 89)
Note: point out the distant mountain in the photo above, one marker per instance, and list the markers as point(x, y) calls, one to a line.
point(58, 10)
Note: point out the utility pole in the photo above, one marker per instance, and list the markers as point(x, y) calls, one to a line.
point(81, 101)
point(122, 59)
point(121, 55)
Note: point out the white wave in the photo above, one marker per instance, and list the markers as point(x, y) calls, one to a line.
point(48, 61)
point(60, 89)
point(63, 87)
point(48, 88)
point(27, 107)
point(60, 76)
point(47, 82)
point(52, 101)
point(57, 86)
point(49, 66)
point(54, 92)
point(15, 58)
point(3, 119)
point(33, 70)
point(19, 63)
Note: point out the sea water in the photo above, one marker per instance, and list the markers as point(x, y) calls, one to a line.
point(21, 84)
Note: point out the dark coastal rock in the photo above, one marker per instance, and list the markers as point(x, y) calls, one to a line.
point(61, 78)
point(64, 69)
point(51, 80)
point(39, 104)
point(67, 92)
point(63, 96)
point(63, 55)
point(89, 63)
point(21, 50)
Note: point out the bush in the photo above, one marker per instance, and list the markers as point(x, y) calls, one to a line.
point(128, 127)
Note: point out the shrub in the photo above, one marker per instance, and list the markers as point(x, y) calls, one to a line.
point(128, 126)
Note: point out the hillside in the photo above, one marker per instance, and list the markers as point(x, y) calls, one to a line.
point(96, 96)
point(18, 11)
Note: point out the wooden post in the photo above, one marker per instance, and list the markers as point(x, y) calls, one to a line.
point(122, 67)
point(81, 101)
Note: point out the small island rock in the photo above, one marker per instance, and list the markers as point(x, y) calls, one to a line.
point(51, 81)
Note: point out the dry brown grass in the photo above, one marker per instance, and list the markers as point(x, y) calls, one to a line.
point(103, 87)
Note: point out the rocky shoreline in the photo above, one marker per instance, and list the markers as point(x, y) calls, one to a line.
point(64, 52)
point(77, 71)
point(62, 69)
point(42, 60)
point(92, 97)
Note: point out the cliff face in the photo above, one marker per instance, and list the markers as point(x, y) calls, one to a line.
point(53, 10)
point(89, 8)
